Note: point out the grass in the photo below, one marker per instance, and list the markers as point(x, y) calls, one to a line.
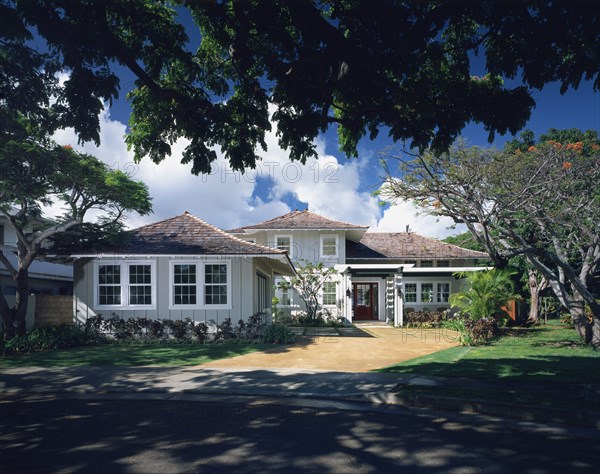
point(132, 355)
point(550, 353)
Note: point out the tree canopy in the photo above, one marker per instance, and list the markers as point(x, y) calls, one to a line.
point(34, 173)
point(542, 203)
point(358, 66)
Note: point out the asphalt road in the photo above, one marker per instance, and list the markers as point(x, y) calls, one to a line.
point(203, 434)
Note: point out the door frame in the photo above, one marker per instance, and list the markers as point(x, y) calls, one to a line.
point(374, 307)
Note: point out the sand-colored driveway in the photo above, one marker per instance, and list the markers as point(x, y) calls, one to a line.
point(351, 350)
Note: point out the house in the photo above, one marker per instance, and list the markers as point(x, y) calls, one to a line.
point(179, 268)
point(44, 277)
point(184, 267)
point(381, 275)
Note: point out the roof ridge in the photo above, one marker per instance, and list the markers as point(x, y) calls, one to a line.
point(336, 220)
point(232, 237)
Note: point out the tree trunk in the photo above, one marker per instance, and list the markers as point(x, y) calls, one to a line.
point(580, 319)
point(534, 291)
point(21, 301)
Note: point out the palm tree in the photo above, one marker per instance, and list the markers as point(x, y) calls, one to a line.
point(485, 293)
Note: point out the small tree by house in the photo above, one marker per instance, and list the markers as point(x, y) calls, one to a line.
point(308, 282)
point(485, 293)
point(38, 172)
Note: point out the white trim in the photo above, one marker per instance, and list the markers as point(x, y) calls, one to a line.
point(200, 285)
point(289, 236)
point(337, 246)
point(124, 283)
point(228, 305)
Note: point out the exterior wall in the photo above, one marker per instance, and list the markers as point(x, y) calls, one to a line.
point(306, 244)
point(30, 316)
point(429, 306)
point(242, 271)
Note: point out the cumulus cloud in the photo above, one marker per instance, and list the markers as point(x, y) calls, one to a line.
point(403, 214)
point(329, 186)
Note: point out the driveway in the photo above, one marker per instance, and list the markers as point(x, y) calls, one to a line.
point(358, 349)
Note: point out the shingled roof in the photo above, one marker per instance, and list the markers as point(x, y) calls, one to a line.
point(189, 235)
point(405, 245)
point(300, 220)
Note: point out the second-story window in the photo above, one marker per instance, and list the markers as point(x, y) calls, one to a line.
point(284, 242)
point(329, 246)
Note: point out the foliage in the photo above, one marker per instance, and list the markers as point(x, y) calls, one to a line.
point(50, 338)
point(180, 330)
point(482, 329)
point(484, 294)
point(542, 204)
point(308, 282)
point(424, 319)
point(225, 330)
point(35, 172)
point(278, 334)
point(316, 64)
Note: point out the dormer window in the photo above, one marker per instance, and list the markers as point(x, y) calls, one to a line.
point(329, 246)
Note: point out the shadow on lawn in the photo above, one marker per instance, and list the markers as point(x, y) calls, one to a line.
point(571, 369)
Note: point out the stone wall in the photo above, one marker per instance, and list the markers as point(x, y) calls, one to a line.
point(51, 310)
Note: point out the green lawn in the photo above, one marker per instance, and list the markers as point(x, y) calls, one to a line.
point(132, 355)
point(546, 353)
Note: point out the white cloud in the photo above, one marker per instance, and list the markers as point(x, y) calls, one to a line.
point(329, 186)
point(401, 214)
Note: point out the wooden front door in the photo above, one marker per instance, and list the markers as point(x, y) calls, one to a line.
point(365, 301)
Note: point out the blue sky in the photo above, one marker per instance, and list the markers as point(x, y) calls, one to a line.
point(334, 186)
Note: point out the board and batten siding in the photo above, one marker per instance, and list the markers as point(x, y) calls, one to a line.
point(242, 271)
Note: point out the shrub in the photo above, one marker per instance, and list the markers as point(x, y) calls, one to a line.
point(179, 328)
point(51, 338)
point(482, 329)
point(473, 332)
point(424, 319)
point(225, 330)
point(255, 325)
point(155, 328)
point(200, 331)
point(278, 334)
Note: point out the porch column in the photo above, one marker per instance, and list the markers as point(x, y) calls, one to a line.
point(347, 290)
point(398, 299)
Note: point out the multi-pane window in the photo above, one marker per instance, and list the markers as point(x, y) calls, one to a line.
point(427, 263)
point(443, 263)
point(329, 293)
point(426, 292)
point(443, 292)
point(329, 246)
point(410, 292)
point(109, 285)
point(140, 285)
point(284, 242)
point(184, 284)
point(215, 284)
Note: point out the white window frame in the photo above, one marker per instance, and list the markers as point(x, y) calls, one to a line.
point(228, 305)
point(438, 292)
point(288, 236)
point(200, 284)
point(337, 246)
point(323, 294)
point(124, 266)
point(433, 295)
point(416, 292)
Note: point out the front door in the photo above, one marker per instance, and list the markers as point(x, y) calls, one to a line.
point(365, 301)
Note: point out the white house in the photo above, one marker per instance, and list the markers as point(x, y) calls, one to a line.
point(183, 267)
point(179, 268)
point(381, 275)
point(44, 277)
